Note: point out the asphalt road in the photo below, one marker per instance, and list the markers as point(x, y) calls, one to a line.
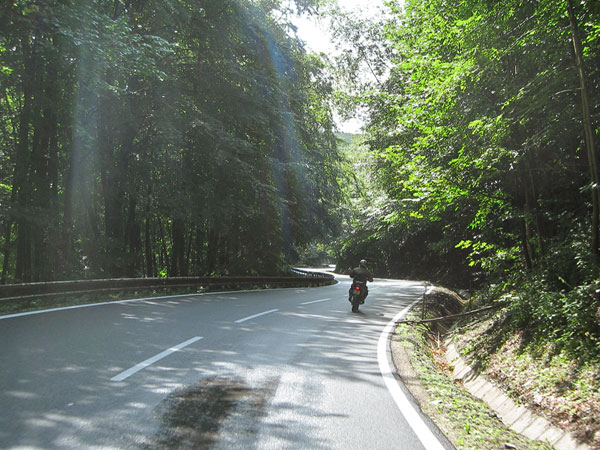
point(286, 368)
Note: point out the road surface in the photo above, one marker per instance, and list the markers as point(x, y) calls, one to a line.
point(269, 369)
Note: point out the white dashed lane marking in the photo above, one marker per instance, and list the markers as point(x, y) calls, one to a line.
point(256, 315)
point(127, 373)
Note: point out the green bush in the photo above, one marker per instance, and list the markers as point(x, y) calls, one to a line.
point(568, 317)
point(558, 301)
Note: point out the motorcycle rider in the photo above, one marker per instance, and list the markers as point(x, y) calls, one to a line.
point(361, 273)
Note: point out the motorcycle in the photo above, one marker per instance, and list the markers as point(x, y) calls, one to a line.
point(358, 292)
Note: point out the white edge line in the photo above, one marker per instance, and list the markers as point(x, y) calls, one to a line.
point(127, 373)
point(256, 315)
point(118, 302)
point(316, 301)
point(65, 308)
point(414, 419)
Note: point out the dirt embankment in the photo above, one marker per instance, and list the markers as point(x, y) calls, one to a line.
point(418, 351)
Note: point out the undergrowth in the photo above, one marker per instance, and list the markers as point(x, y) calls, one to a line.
point(467, 421)
point(540, 374)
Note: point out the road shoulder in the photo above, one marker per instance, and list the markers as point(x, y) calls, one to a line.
point(467, 421)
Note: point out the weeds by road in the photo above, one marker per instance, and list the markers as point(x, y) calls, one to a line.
point(535, 374)
point(467, 421)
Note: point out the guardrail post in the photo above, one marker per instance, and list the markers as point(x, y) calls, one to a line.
point(429, 288)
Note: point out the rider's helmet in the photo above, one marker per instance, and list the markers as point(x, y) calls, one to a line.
point(363, 263)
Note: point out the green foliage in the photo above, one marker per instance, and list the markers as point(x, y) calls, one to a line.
point(477, 140)
point(465, 420)
point(560, 302)
point(160, 138)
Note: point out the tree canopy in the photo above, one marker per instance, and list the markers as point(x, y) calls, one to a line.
point(160, 138)
point(484, 133)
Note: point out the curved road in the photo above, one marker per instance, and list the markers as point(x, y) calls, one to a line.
point(286, 368)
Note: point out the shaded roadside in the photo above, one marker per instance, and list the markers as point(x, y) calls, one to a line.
point(419, 355)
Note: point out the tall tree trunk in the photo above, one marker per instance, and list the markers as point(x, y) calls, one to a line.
point(23, 263)
point(65, 241)
point(163, 255)
point(188, 253)
point(10, 219)
point(44, 125)
point(112, 174)
point(212, 251)
point(587, 124)
point(150, 272)
point(22, 167)
point(6, 250)
point(199, 258)
point(178, 249)
point(525, 247)
point(134, 244)
point(52, 181)
point(533, 204)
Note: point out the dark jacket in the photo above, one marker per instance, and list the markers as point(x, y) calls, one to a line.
point(361, 274)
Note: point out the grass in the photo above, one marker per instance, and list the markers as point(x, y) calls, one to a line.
point(467, 421)
point(538, 375)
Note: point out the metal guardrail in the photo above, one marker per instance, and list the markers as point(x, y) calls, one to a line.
point(27, 291)
point(308, 273)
